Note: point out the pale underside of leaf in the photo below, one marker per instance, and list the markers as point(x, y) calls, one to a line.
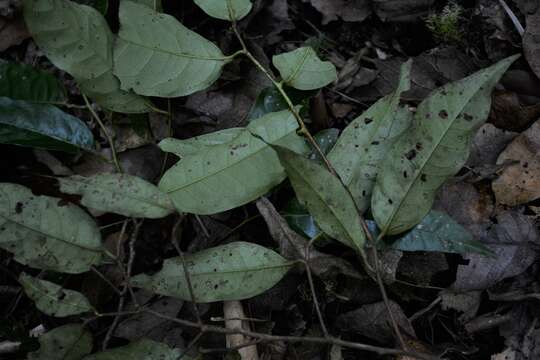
point(225, 176)
point(156, 55)
point(234, 271)
point(197, 144)
point(325, 197)
point(119, 193)
point(44, 233)
point(225, 9)
point(52, 299)
point(358, 153)
point(303, 70)
point(77, 39)
point(434, 149)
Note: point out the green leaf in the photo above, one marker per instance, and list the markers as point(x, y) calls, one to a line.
point(270, 100)
point(77, 39)
point(152, 4)
point(42, 126)
point(326, 139)
point(122, 194)
point(68, 342)
point(325, 197)
point(143, 349)
point(222, 177)
point(52, 299)
point(197, 144)
point(225, 9)
point(22, 82)
point(100, 5)
point(303, 70)
point(45, 233)
point(435, 148)
point(235, 271)
point(300, 220)
point(156, 55)
point(439, 232)
point(363, 144)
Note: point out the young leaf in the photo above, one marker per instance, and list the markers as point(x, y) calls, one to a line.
point(52, 299)
point(194, 145)
point(143, 349)
point(270, 100)
point(325, 197)
point(222, 177)
point(156, 55)
point(435, 148)
point(225, 9)
point(45, 233)
point(68, 342)
point(122, 194)
point(303, 70)
point(23, 82)
point(77, 39)
point(363, 144)
point(42, 126)
point(235, 271)
point(439, 232)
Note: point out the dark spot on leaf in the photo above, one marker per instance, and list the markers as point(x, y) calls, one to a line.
point(423, 177)
point(374, 143)
point(363, 192)
point(368, 120)
point(390, 201)
point(19, 208)
point(411, 154)
point(525, 165)
point(467, 117)
point(405, 174)
point(428, 116)
point(419, 146)
point(443, 114)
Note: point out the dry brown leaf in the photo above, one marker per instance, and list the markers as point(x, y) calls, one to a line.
point(520, 183)
point(12, 32)
point(531, 42)
point(347, 10)
point(401, 10)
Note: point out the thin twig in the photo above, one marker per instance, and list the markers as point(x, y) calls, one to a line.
point(107, 135)
point(312, 288)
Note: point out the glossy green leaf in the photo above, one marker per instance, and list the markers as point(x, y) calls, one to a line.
point(222, 177)
point(435, 148)
point(156, 55)
point(77, 39)
point(270, 100)
point(235, 271)
point(52, 299)
point(194, 145)
point(143, 349)
point(22, 82)
point(68, 342)
point(42, 126)
point(439, 232)
point(45, 233)
point(225, 9)
point(363, 144)
point(303, 70)
point(300, 220)
point(122, 194)
point(325, 197)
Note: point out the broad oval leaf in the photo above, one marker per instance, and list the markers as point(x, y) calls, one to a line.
point(439, 232)
point(303, 70)
point(222, 177)
point(52, 299)
point(143, 349)
point(359, 151)
point(156, 55)
point(77, 39)
point(435, 148)
point(122, 194)
point(68, 342)
point(192, 146)
point(22, 82)
point(44, 233)
point(325, 197)
point(225, 9)
point(235, 271)
point(42, 126)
